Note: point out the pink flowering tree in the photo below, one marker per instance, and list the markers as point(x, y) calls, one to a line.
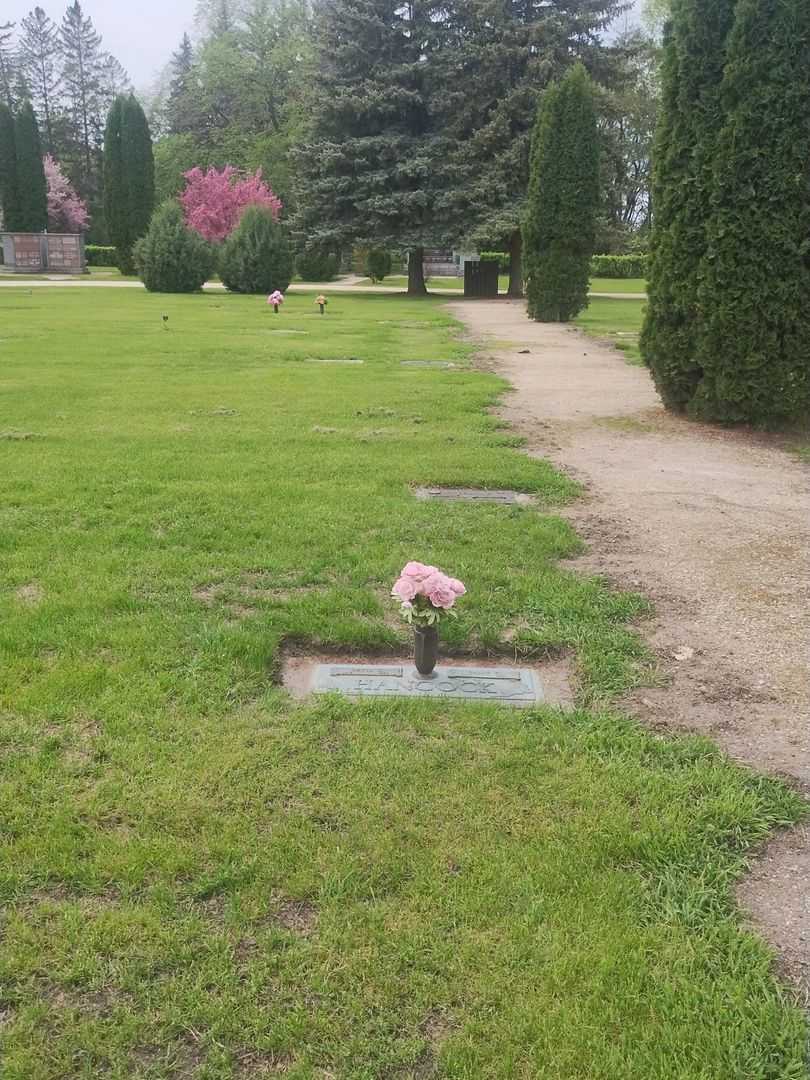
point(214, 201)
point(67, 213)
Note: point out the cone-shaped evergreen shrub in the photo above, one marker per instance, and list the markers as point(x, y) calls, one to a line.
point(378, 264)
point(32, 189)
point(171, 257)
point(755, 285)
point(8, 169)
point(316, 264)
point(256, 257)
point(129, 177)
point(564, 192)
point(686, 142)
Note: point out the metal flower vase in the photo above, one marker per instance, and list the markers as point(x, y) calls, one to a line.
point(425, 648)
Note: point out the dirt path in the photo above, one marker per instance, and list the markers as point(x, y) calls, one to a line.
point(714, 526)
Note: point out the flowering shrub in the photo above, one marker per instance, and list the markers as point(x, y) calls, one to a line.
point(426, 594)
point(215, 200)
point(67, 213)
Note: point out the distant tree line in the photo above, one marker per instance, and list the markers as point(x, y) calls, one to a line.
point(71, 81)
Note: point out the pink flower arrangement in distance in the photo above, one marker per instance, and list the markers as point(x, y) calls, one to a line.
point(425, 593)
point(275, 298)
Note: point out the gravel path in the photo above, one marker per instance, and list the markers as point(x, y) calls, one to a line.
point(714, 526)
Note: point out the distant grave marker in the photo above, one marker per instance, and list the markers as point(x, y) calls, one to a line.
point(505, 498)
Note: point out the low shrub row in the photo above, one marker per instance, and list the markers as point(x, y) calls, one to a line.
point(100, 255)
point(502, 258)
point(620, 266)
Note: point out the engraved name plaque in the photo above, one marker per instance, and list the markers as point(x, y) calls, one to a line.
point(504, 686)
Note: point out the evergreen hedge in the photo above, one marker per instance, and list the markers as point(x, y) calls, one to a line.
point(563, 200)
point(256, 257)
point(172, 258)
point(685, 147)
point(754, 293)
point(315, 264)
point(620, 266)
point(100, 255)
point(378, 264)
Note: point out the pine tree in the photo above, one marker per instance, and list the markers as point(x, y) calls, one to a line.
point(563, 200)
point(686, 143)
point(256, 257)
point(129, 178)
point(366, 176)
point(9, 204)
point(82, 60)
point(495, 60)
point(39, 55)
point(755, 282)
point(32, 190)
point(180, 108)
point(8, 64)
point(171, 257)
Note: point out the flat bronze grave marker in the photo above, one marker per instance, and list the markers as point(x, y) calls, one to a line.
point(504, 686)
point(506, 498)
point(444, 364)
point(332, 360)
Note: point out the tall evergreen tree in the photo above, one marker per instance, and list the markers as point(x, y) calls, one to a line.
point(32, 189)
point(39, 60)
point(686, 144)
point(8, 64)
point(82, 60)
point(9, 204)
point(129, 178)
point(755, 282)
point(495, 61)
point(367, 173)
point(180, 107)
point(563, 200)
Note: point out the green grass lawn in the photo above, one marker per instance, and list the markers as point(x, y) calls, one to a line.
point(618, 321)
point(201, 878)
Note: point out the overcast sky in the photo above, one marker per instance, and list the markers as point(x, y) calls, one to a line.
point(142, 34)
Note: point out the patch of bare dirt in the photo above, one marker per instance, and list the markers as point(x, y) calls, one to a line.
point(297, 916)
point(31, 595)
point(714, 526)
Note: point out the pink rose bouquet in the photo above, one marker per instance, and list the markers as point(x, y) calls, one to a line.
point(426, 594)
point(275, 298)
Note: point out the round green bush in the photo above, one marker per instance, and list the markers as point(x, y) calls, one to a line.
point(172, 258)
point(315, 264)
point(378, 264)
point(256, 257)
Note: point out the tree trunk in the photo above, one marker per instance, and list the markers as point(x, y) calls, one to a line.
point(516, 265)
point(416, 272)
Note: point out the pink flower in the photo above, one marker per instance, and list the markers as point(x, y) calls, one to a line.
point(275, 298)
point(440, 594)
point(457, 586)
point(418, 571)
point(405, 589)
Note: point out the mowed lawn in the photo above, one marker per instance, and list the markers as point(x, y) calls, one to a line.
point(202, 879)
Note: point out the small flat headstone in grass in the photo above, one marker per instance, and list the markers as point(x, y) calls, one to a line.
point(428, 363)
point(332, 360)
point(501, 685)
point(505, 498)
